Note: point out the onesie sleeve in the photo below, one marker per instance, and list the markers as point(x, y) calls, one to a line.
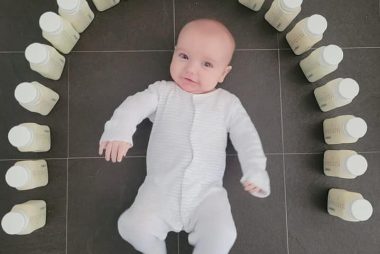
point(130, 113)
point(246, 142)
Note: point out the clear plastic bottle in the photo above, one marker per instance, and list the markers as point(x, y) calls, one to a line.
point(25, 218)
point(344, 164)
point(102, 5)
point(26, 175)
point(282, 12)
point(254, 5)
point(343, 129)
point(349, 206)
point(321, 62)
point(58, 31)
point(306, 33)
point(336, 93)
point(36, 97)
point(77, 12)
point(45, 60)
point(30, 137)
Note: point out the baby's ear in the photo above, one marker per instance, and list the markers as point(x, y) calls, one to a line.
point(225, 72)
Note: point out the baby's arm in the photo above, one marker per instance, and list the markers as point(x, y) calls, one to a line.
point(246, 141)
point(118, 131)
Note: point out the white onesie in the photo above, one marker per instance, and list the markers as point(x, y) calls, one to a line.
point(186, 154)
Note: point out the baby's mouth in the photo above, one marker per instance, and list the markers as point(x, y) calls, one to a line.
point(191, 81)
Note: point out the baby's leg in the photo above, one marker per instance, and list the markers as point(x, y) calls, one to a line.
point(214, 230)
point(144, 230)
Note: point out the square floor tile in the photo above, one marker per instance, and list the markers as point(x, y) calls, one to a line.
point(15, 70)
point(52, 237)
point(260, 222)
point(248, 27)
point(311, 228)
point(99, 192)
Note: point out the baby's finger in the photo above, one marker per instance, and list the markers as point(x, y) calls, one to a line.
point(114, 152)
point(108, 151)
point(102, 146)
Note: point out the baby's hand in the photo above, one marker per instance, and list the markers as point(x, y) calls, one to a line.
point(250, 187)
point(115, 150)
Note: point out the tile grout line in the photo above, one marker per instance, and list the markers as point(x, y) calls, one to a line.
point(283, 145)
point(68, 146)
point(67, 198)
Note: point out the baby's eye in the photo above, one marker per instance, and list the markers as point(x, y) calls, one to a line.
point(208, 65)
point(183, 56)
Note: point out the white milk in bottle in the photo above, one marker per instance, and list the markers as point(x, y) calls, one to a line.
point(59, 32)
point(77, 12)
point(26, 175)
point(36, 97)
point(349, 206)
point(25, 218)
point(282, 12)
point(344, 164)
point(343, 129)
point(102, 5)
point(336, 93)
point(321, 62)
point(30, 137)
point(254, 5)
point(306, 33)
point(45, 60)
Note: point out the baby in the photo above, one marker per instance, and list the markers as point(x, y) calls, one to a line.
point(186, 154)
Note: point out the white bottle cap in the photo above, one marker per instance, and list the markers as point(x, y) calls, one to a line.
point(13, 223)
point(316, 24)
point(68, 5)
point(290, 5)
point(36, 53)
point(26, 93)
point(361, 209)
point(356, 164)
point(19, 136)
point(332, 54)
point(348, 88)
point(17, 176)
point(51, 22)
point(356, 127)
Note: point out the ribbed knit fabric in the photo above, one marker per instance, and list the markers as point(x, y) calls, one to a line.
point(186, 153)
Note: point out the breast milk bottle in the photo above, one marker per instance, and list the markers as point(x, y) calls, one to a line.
point(344, 164)
point(336, 93)
point(321, 62)
point(282, 12)
point(26, 175)
point(343, 129)
point(306, 33)
point(77, 12)
point(30, 137)
point(59, 32)
point(254, 5)
point(25, 218)
point(45, 60)
point(102, 5)
point(349, 206)
point(36, 97)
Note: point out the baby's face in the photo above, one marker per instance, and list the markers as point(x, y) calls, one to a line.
point(200, 60)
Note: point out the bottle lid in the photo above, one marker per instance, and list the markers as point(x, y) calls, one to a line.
point(316, 24)
point(290, 5)
point(36, 53)
point(13, 223)
point(332, 55)
point(348, 88)
point(356, 127)
point(26, 93)
point(68, 5)
point(50, 22)
point(361, 209)
point(17, 176)
point(19, 136)
point(356, 164)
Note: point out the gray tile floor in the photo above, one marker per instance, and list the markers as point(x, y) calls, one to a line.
point(130, 46)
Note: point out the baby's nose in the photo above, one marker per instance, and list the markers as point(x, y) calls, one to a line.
point(191, 68)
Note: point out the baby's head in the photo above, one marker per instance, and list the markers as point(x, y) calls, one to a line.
point(202, 55)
